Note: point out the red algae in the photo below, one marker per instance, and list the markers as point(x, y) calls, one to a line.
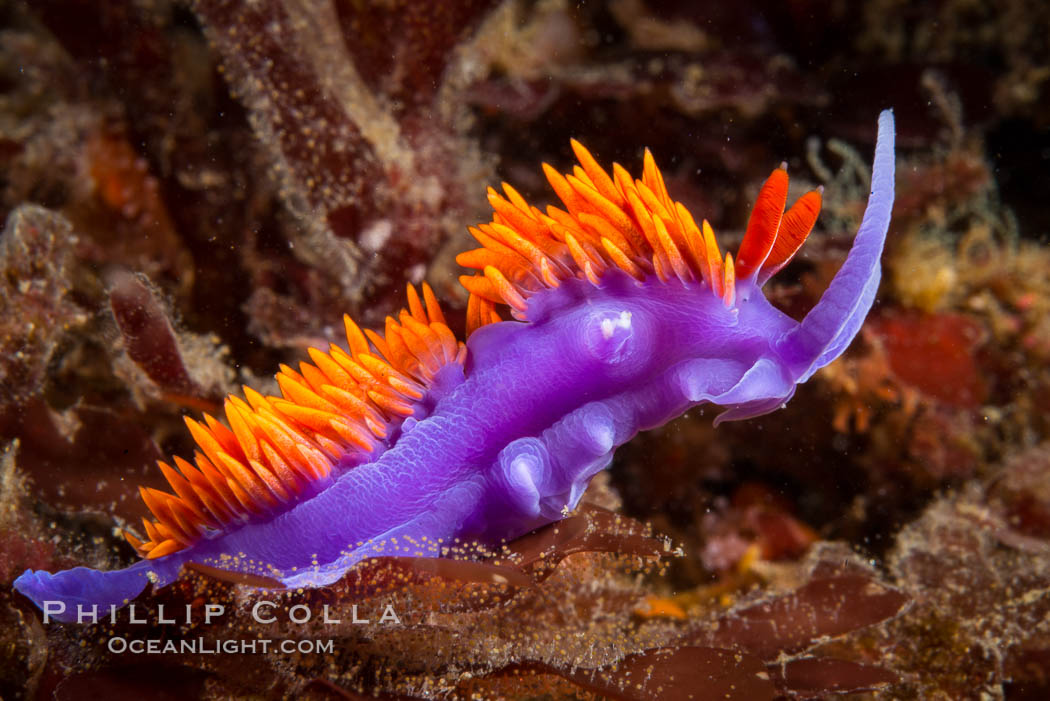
point(149, 337)
point(36, 254)
point(936, 354)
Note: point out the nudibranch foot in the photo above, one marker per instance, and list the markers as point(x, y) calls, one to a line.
point(625, 315)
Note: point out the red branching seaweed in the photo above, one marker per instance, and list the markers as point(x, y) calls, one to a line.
point(677, 674)
point(354, 171)
point(813, 676)
point(827, 606)
point(149, 338)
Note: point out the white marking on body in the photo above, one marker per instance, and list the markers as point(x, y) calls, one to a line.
point(609, 326)
point(603, 436)
point(522, 469)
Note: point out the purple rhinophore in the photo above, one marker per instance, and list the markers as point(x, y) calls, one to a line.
point(513, 438)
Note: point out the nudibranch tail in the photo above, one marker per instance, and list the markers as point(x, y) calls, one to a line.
point(616, 222)
point(335, 413)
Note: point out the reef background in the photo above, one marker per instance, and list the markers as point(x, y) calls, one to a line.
point(196, 192)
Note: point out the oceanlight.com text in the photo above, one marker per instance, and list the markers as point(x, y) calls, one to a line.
point(202, 646)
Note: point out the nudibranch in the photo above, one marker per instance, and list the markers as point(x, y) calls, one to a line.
point(625, 315)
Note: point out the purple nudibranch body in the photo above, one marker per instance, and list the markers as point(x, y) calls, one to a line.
point(508, 441)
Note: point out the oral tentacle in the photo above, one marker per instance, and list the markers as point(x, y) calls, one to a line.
point(835, 320)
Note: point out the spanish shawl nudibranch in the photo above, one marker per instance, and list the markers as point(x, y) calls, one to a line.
point(626, 316)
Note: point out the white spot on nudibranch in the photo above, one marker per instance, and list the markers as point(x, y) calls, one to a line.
point(609, 326)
